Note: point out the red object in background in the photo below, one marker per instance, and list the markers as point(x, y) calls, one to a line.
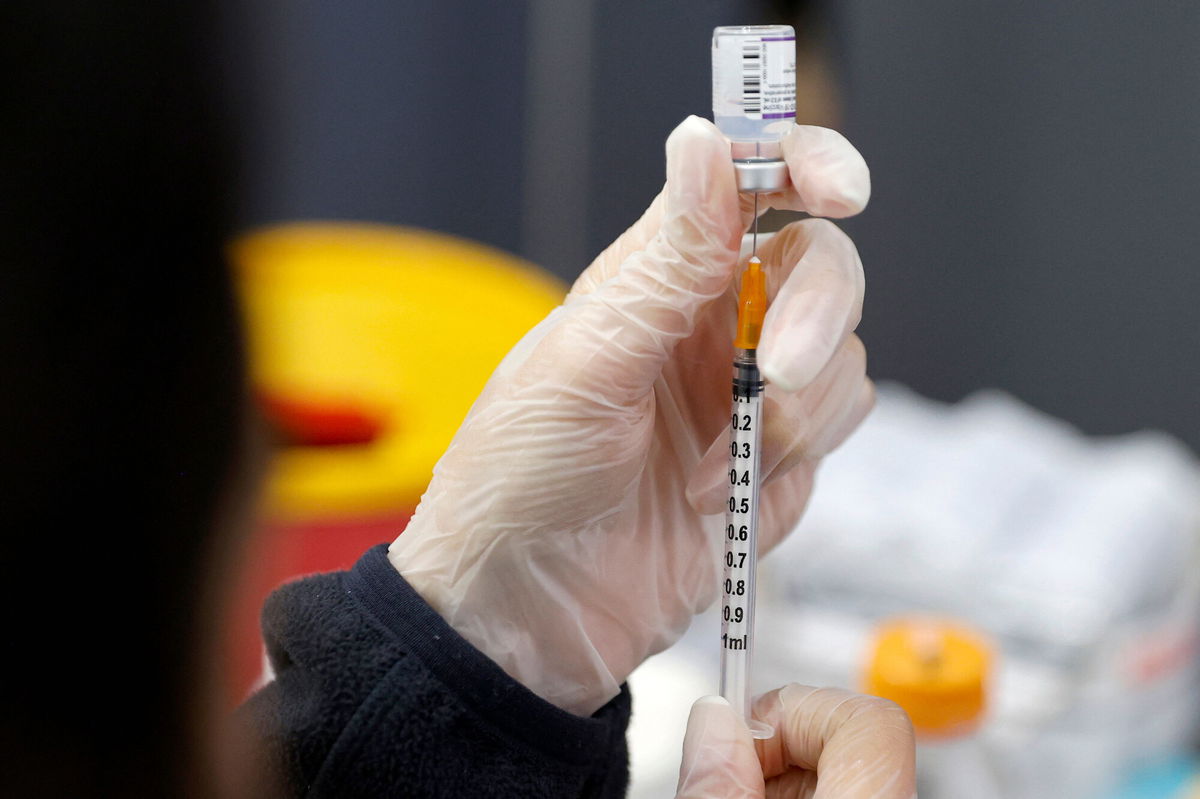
point(279, 552)
point(320, 424)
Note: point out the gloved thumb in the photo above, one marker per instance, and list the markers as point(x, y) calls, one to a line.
point(626, 328)
point(719, 760)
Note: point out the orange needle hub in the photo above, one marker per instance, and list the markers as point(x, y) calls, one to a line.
point(752, 306)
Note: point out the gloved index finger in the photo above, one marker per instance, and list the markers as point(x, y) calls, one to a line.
point(818, 281)
point(861, 747)
point(626, 327)
point(829, 176)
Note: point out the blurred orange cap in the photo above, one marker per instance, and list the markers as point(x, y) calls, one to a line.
point(935, 669)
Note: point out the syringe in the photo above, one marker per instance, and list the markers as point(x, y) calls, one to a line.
point(741, 516)
point(754, 104)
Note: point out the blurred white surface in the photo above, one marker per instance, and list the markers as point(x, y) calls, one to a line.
point(1078, 557)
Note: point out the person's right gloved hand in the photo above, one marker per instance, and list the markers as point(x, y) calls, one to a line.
point(828, 744)
point(573, 527)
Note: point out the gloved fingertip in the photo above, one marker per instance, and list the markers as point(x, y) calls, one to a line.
point(699, 138)
point(847, 191)
point(712, 699)
point(867, 398)
point(701, 221)
point(790, 371)
point(800, 335)
point(696, 154)
point(830, 175)
point(693, 124)
point(711, 725)
point(789, 380)
point(719, 758)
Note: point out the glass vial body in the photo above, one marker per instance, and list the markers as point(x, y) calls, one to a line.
point(754, 86)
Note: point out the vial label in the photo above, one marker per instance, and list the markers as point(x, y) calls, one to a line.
point(754, 77)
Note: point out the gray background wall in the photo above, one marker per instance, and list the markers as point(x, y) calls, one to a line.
point(1036, 170)
point(408, 112)
point(1036, 164)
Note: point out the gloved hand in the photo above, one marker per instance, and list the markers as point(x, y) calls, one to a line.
point(828, 744)
point(570, 530)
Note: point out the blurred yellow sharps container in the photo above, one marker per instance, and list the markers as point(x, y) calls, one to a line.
point(379, 333)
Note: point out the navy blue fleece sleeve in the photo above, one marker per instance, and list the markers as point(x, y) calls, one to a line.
point(375, 695)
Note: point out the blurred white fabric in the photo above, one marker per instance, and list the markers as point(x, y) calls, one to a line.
point(1077, 555)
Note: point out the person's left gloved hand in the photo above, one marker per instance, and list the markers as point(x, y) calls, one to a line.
point(571, 530)
point(828, 744)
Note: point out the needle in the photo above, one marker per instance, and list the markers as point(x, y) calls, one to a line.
point(754, 247)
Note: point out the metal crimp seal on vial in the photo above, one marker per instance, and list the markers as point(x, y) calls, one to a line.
point(761, 174)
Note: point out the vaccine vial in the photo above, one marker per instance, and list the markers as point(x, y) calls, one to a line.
point(754, 98)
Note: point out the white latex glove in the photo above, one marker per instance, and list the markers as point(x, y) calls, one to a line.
point(828, 744)
point(565, 532)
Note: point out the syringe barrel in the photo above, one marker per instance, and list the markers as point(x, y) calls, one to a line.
point(741, 535)
point(754, 86)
